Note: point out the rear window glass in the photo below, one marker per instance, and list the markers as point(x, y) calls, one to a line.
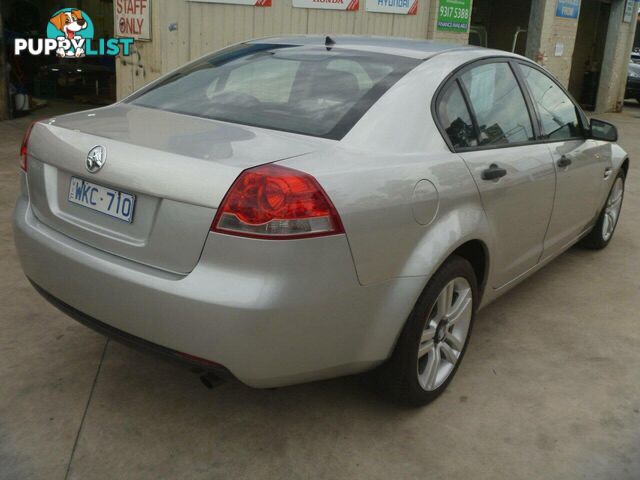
point(308, 90)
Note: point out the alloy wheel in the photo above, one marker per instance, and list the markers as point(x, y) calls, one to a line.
point(445, 333)
point(612, 209)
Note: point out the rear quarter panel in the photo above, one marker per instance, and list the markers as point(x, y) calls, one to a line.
point(372, 174)
point(374, 195)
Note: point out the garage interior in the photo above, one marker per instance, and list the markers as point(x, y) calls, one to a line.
point(500, 24)
point(589, 51)
point(38, 80)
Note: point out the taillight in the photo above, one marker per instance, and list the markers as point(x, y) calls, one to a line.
point(24, 148)
point(275, 202)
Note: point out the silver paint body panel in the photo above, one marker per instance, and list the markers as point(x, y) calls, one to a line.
point(179, 168)
point(282, 312)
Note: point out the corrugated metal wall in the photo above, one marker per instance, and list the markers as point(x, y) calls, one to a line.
point(205, 27)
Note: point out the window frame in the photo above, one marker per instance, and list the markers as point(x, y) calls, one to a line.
point(582, 119)
point(465, 98)
point(536, 124)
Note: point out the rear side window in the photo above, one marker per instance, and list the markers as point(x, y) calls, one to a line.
point(498, 104)
point(455, 119)
point(301, 89)
point(556, 110)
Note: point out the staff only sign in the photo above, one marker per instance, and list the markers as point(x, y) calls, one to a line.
point(349, 5)
point(132, 19)
point(402, 7)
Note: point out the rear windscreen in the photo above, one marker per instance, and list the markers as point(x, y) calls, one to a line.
point(308, 90)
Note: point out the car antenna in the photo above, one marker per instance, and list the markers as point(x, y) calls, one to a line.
point(329, 42)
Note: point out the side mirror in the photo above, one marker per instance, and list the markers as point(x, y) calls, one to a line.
point(603, 131)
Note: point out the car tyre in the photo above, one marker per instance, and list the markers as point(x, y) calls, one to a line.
point(604, 228)
point(442, 320)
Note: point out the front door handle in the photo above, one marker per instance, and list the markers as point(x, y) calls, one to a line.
point(564, 161)
point(493, 172)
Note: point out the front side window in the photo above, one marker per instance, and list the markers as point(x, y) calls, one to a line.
point(498, 104)
point(300, 89)
point(455, 119)
point(557, 112)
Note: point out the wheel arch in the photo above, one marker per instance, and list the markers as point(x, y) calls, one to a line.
point(625, 166)
point(476, 253)
point(463, 230)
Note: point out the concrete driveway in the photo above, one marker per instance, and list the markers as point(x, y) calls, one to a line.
point(549, 389)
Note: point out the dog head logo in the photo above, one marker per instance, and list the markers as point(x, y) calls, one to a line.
point(72, 27)
point(70, 34)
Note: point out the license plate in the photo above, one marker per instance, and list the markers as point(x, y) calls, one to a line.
point(105, 200)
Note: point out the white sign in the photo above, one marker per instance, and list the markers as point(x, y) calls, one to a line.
point(559, 50)
point(402, 7)
point(349, 5)
point(252, 3)
point(132, 19)
point(629, 8)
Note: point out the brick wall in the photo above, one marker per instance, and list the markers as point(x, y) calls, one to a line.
point(616, 58)
point(559, 31)
point(546, 31)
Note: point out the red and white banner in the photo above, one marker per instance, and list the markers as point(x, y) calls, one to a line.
point(349, 5)
point(252, 3)
point(401, 7)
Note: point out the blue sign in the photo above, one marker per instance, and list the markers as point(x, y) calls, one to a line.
point(568, 8)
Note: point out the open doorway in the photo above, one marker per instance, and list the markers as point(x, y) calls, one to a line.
point(500, 24)
point(588, 52)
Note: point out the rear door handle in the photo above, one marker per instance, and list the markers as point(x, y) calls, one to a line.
point(493, 172)
point(607, 172)
point(564, 161)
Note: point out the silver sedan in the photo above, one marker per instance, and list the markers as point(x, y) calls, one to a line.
point(297, 208)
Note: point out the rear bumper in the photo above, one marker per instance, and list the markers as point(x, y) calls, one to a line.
point(272, 313)
point(130, 340)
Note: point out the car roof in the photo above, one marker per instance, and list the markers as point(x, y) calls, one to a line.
point(406, 47)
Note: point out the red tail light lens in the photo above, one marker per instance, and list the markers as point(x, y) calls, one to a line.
point(276, 202)
point(24, 148)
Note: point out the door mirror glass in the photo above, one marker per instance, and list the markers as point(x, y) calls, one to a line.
point(603, 131)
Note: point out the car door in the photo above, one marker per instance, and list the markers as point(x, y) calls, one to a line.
point(581, 164)
point(514, 174)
